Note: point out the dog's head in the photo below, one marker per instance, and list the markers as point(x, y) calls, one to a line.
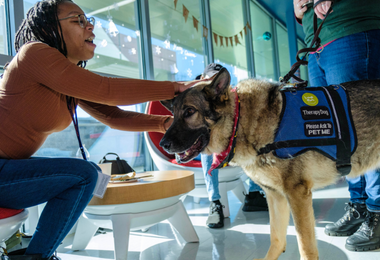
point(196, 111)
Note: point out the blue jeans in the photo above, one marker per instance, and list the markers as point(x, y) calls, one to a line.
point(350, 58)
point(66, 184)
point(212, 182)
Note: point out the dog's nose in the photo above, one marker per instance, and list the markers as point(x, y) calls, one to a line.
point(165, 144)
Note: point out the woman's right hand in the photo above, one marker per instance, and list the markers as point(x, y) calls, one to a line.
point(181, 86)
point(298, 9)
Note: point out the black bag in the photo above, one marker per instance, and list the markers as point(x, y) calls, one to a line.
point(118, 166)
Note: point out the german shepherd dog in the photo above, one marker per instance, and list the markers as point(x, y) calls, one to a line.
point(203, 123)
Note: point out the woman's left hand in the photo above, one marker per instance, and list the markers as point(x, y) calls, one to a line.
point(321, 9)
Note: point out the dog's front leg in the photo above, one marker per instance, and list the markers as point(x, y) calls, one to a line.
point(301, 205)
point(279, 220)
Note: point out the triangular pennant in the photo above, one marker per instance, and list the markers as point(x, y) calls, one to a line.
point(221, 40)
point(175, 4)
point(205, 32)
point(226, 41)
point(215, 39)
point(241, 34)
point(245, 30)
point(232, 44)
point(249, 27)
point(237, 40)
point(185, 13)
point(195, 23)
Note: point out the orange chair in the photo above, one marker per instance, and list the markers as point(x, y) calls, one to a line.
point(230, 178)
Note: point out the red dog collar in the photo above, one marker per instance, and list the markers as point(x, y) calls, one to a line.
point(221, 160)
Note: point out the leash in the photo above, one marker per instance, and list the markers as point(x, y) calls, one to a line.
point(301, 61)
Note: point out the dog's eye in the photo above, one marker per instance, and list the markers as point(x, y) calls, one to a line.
point(189, 112)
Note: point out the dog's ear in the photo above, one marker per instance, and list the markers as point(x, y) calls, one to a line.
point(217, 89)
point(168, 104)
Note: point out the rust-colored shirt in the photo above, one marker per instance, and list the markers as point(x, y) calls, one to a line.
point(33, 99)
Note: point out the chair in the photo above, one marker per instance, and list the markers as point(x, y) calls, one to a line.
point(10, 221)
point(230, 178)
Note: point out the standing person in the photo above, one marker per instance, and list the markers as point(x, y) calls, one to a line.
point(350, 37)
point(45, 78)
point(254, 200)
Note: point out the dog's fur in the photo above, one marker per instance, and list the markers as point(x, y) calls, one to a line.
point(203, 121)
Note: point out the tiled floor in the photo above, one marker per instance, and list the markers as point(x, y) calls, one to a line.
point(244, 236)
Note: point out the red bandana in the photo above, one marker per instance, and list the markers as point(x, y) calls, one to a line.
point(221, 160)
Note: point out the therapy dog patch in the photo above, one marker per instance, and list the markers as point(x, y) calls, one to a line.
point(319, 119)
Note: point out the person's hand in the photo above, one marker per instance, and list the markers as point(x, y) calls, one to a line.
point(168, 122)
point(181, 86)
point(322, 8)
point(298, 9)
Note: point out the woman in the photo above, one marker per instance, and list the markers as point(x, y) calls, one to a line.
point(38, 86)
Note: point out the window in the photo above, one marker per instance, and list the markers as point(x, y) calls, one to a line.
point(3, 29)
point(283, 50)
point(229, 37)
point(116, 54)
point(176, 39)
point(263, 47)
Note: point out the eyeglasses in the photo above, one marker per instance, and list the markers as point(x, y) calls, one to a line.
point(82, 20)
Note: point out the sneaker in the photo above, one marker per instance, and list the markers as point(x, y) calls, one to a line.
point(367, 237)
point(255, 201)
point(350, 222)
point(216, 217)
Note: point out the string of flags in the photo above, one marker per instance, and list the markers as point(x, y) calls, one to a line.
point(220, 40)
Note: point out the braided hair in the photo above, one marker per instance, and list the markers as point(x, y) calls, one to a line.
point(42, 24)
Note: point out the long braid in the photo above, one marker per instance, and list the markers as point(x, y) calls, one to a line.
point(42, 24)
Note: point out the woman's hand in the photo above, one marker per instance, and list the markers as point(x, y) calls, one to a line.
point(322, 8)
point(298, 9)
point(168, 122)
point(181, 86)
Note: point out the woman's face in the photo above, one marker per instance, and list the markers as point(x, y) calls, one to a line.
point(78, 40)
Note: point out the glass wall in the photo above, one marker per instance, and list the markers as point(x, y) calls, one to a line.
point(176, 31)
point(263, 46)
point(116, 54)
point(229, 37)
point(3, 29)
point(283, 50)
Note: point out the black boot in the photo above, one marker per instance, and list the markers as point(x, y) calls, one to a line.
point(20, 255)
point(350, 222)
point(255, 201)
point(368, 235)
point(216, 217)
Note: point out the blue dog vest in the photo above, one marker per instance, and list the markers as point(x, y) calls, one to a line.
point(319, 119)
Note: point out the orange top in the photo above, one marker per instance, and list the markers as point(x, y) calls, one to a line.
point(33, 99)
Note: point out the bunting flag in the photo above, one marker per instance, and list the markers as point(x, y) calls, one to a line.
point(231, 39)
point(185, 12)
point(195, 23)
point(221, 40)
point(205, 32)
point(249, 27)
point(215, 38)
point(237, 40)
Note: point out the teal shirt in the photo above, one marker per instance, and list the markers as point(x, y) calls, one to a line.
point(348, 17)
